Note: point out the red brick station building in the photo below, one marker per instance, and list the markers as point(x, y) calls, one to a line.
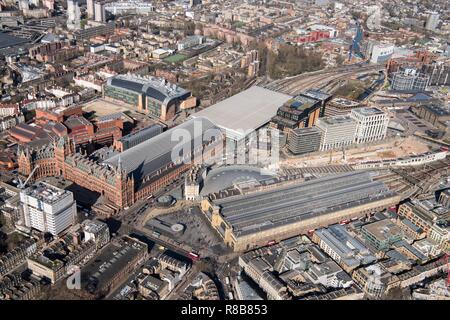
point(124, 178)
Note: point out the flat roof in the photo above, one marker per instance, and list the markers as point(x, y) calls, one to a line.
point(368, 111)
point(245, 111)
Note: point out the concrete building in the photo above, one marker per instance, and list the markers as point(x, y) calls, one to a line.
point(190, 41)
point(382, 234)
point(344, 248)
point(304, 140)
point(375, 280)
point(336, 132)
point(135, 138)
point(90, 9)
point(371, 124)
point(47, 208)
point(409, 80)
point(381, 53)
point(299, 112)
point(99, 11)
point(254, 219)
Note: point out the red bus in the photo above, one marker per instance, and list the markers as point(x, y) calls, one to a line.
point(344, 222)
point(194, 256)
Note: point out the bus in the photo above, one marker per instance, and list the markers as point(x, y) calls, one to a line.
point(230, 295)
point(271, 243)
point(344, 222)
point(227, 280)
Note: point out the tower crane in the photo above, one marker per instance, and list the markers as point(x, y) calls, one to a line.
point(21, 184)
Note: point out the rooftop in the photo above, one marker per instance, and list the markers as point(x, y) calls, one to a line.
point(351, 250)
point(336, 120)
point(245, 111)
point(287, 204)
point(157, 88)
point(368, 111)
point(46, 192)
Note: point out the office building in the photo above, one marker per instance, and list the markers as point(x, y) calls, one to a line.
point(382, 234)
point(299, 112)
point(304, 140)
point(96, 231)
point(114, 264)
point(371, 124)
point(48, 208)
point(320, 96)
point(90, 9)
point(99, 11)
point(381, 53)
point(336, 132)
point(135, 138)
point(73, 14)
point(343, 247)
point(432, 21)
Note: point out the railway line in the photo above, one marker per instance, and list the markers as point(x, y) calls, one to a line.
point(319, 79)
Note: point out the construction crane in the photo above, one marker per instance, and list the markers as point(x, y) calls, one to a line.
point(21, 184)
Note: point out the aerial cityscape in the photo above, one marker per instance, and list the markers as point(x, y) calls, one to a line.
point(224, 150)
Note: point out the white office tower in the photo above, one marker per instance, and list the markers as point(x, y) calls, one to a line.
point(24, 5)
point(90, 9)
point(73, 14)
point(432, 21)
point(99, 12)
point(371, 124)
point(48, 208)
point(96, 231)
point(337, 132)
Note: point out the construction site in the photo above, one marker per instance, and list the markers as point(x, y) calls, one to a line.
point(389, 149)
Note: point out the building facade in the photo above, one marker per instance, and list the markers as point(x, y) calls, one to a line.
point(153, 96)
point(47, 208)
point(336, 132)
point(371, 124)
point(304, 140)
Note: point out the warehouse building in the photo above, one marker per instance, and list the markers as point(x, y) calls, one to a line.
point(250, 220)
